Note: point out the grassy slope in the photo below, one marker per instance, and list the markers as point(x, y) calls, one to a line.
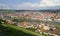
point(58, 26)
point(11, 30)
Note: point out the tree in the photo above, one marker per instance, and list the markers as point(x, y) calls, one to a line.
point(2, 21)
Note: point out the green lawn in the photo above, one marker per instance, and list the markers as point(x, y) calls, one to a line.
point(12, 30)
point(58, 26)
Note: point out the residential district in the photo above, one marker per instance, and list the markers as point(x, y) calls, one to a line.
point(42, 22)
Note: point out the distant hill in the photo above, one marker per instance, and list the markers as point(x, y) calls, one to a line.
point(52, 11)
point(6, 11)
point(13, 11)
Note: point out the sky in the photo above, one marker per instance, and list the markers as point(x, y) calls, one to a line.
point(29, 4)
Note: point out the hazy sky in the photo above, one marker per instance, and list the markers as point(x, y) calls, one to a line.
point(29, 4)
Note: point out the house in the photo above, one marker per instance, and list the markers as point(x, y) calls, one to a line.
point(43, 27)
point(25, 24)
point(10, 21)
